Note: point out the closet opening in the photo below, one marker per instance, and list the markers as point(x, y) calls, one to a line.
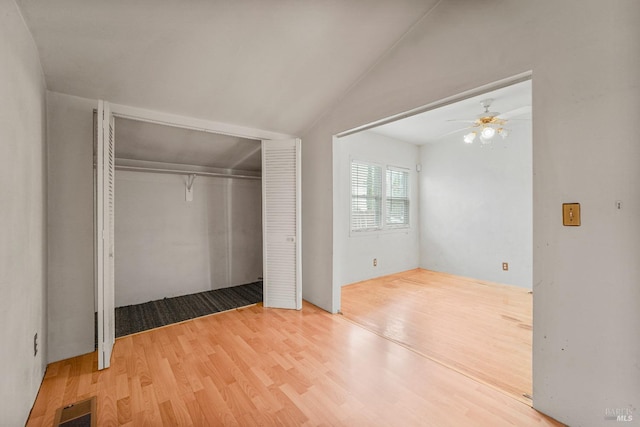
point(188, 224)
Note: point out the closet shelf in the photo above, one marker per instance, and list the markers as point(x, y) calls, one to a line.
point(184, 172)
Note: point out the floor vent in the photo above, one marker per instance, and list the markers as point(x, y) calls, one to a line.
point(79, 414)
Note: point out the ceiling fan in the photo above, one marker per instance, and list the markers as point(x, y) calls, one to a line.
point(489, 123)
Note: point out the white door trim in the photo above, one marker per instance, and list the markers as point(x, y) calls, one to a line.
point(174, 120)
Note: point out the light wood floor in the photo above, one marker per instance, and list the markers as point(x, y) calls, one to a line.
point(480, 329)
point(260, 366)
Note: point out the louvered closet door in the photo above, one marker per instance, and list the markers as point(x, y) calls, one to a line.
point(105, 233)
point(281, 224)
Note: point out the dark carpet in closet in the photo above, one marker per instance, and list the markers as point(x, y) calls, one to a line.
point(153, 314)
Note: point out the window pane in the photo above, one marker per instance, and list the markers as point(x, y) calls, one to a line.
point(397, 198)
point(366, 196)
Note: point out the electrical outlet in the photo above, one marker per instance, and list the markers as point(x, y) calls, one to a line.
point(35, 345)
point(505, 266)
point(375, 262)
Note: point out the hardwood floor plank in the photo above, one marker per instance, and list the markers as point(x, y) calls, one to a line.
point(122, 386)
point(150, 412)
point(107, 413)
point(167, 414)
point(124, 410)
point(270, 367)
point(191, 368)
point(193, 408)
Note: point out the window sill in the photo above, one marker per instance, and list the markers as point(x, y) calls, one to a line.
point(382, 232)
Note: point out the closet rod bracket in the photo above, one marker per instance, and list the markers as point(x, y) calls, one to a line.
point(189, 189)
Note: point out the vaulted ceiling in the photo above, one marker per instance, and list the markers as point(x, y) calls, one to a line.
point(268, 64)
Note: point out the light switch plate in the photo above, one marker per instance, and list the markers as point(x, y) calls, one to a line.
point(571, 214)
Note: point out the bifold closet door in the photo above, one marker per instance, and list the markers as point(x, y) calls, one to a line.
point(281, 224)
point(104, 238)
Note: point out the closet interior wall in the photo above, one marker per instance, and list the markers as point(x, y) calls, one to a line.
point(168, 246)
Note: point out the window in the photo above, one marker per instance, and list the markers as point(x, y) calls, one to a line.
point(397, 198)
point(366, 196)
point(378, 204)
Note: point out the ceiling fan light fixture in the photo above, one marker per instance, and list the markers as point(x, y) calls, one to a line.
point(468, 138)
point(488, 132)
point(487, 124)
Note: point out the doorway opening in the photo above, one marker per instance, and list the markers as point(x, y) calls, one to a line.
point(456, 284)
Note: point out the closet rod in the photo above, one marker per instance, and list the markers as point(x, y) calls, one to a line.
point(183, 172)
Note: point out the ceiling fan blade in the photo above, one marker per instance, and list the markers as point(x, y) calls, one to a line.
point(510, 115)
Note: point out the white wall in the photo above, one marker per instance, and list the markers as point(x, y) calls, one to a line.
point(585, 63)
point(70, 225)
point(23, 211)
point(395, 250)
point(476, 207)
point(166, 246)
